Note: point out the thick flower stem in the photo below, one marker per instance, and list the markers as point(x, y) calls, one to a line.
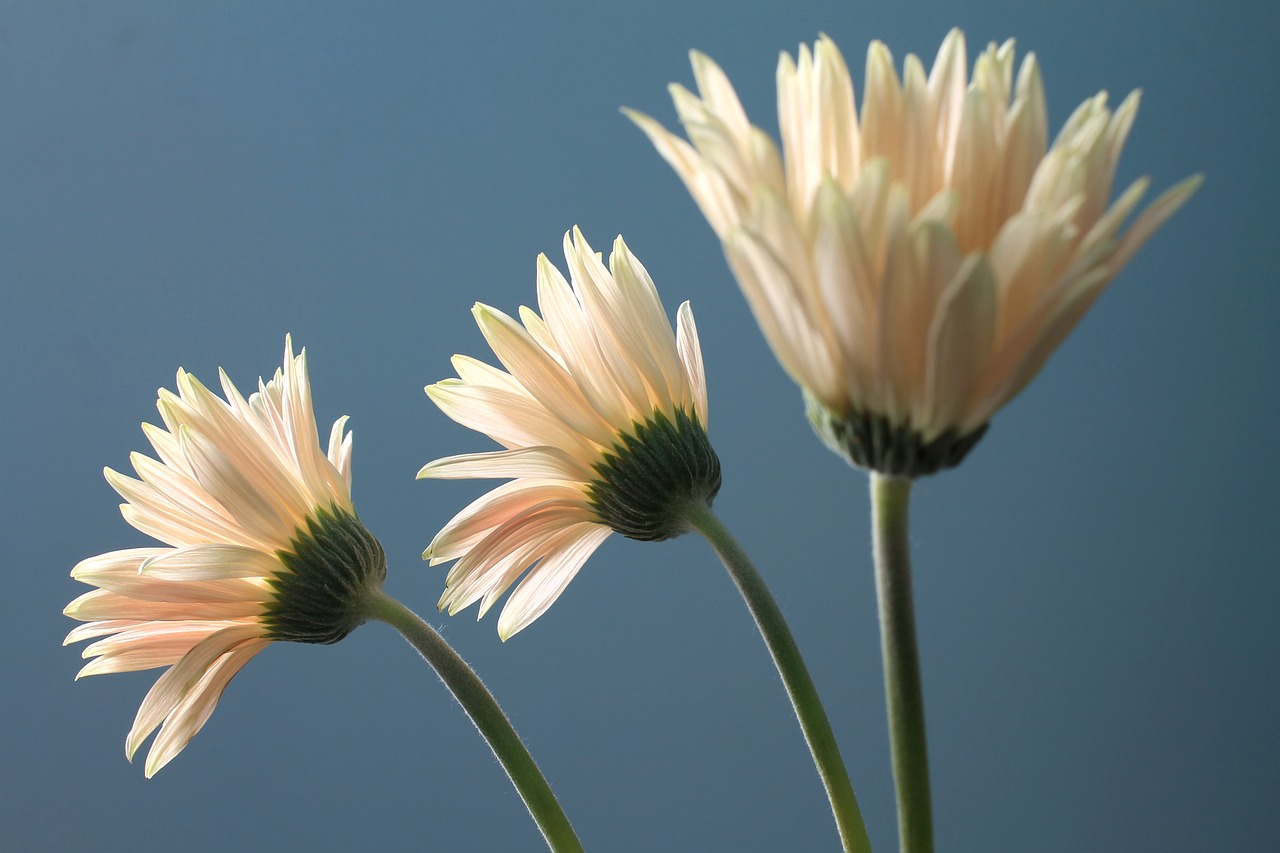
point(795, 675)
point(488, 717)
point(904, 696)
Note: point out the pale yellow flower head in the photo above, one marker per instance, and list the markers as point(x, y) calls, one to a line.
point(602, 410)
point(263, 541)
point(912, 266)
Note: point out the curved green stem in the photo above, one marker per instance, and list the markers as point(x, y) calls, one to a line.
point(795, 675)
point(483, 710)
point(904, 695)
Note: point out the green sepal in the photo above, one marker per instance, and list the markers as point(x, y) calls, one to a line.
point(869, 440)
point(653, 472)
point(330, 568)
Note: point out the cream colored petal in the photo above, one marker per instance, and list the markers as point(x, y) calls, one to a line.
point(548, 463)
point(973, 171)
point(619, 337)
point(708, 188)
point(89, 630)
point(691, 357)
point(1028, 258)
point(210, 562)
point(166, 445)
point(915, 164)
point(491, 510)
point(545, 583)
point(541, 376)
point(770, 292)
point(1024, 144)
point(1151, 219)
point(802, 156)
point(491, 565)
point(475, 372)
point(512, 420)
point(487, 582)
point(914, 268)
point(849, 286)
point(634, 301)
point(127, 560)
point(103, 604)
point(729, 154)
point(181, 531)
point(309, 463)
point(1103, 232)
point(193, 711)
point(573, 338)
point(947, 83)
point(992, 76)
point(231, 486)
point(172, 490)
point(1118, 132)
point(339, 454)
point(286, 456)
point(837, 114)
point(172, 687)
point(960, 345)
point(881, 106)
point(1023, 357)
point(184, 511)
point(869, 204)
point(538, 330)
point(146, 588)
point(718, 94)
point(147, 647)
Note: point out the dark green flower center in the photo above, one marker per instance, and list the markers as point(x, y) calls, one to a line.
point(869, 440)
point(653, 472)
point(329, 569)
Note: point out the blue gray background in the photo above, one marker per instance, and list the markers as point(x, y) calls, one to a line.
point(182, 184)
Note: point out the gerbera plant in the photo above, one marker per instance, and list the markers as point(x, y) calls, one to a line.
point(601, 410)
point(262, 544)
point(912, 266)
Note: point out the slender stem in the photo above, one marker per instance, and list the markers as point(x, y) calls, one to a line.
point(483, 710)
point(904, 696)
point(795, 675)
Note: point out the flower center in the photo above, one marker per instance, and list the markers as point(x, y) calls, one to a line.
point(643, 485)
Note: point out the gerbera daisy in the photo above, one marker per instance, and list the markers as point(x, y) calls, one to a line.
point(913, 267)
point(263, 545)
point(602, 409)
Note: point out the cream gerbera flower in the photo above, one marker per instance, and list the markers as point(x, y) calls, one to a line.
point(603, 412)
point(912, 268)
point(265, 545)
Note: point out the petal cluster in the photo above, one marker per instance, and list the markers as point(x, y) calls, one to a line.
point(917, 262)
point(598, 367)
point(234, 484)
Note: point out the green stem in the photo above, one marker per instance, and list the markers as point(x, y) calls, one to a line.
point(795, 675)
point(904, 696)
point(483, 710)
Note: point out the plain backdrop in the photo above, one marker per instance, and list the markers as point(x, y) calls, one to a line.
point(183, 183)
